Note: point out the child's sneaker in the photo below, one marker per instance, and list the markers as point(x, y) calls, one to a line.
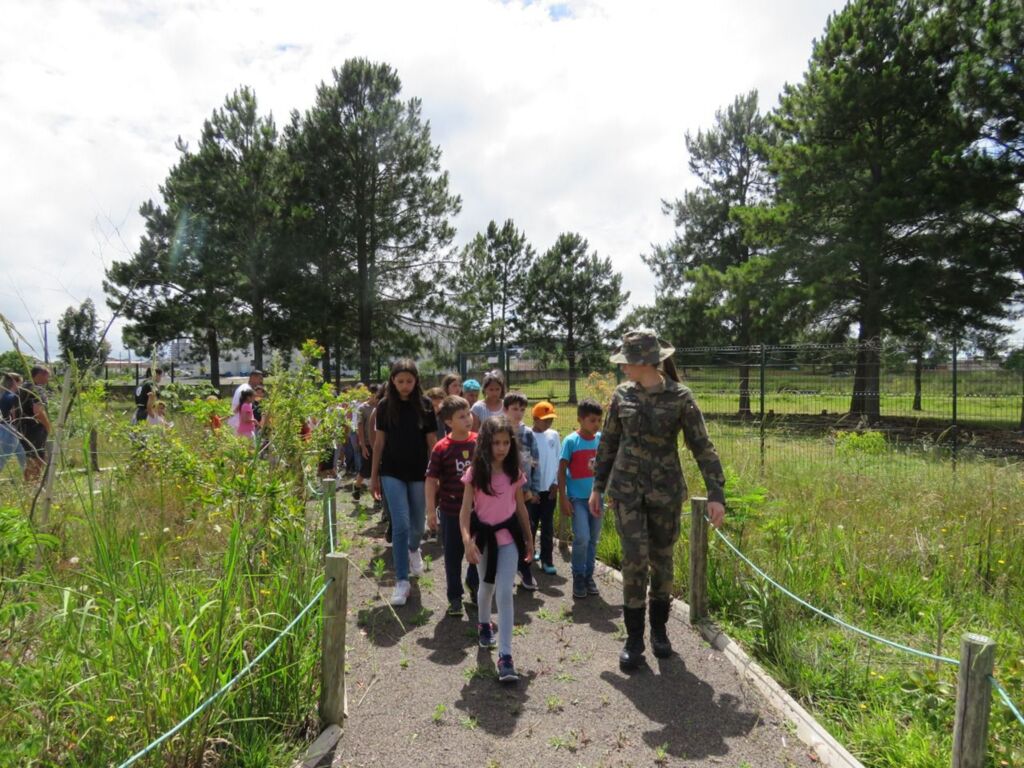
point(536, 555)
point(506, 670)
point(485, 632)
point(579, 586)
point(549, 569)
point(455, 607)
point(592, 588)
point(416, 563)
point(526, 580)
point(401, 593)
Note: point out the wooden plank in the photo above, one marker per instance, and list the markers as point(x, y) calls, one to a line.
point(333, 704)
point(973, 701)
point(698, 559)
point(321, 752)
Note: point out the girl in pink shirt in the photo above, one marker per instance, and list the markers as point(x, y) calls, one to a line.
point(246, 420)
point(497, 535)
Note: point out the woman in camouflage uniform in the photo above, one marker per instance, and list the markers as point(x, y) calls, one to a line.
point(637, 466)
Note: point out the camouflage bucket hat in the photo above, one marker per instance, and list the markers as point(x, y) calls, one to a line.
point(641, 347)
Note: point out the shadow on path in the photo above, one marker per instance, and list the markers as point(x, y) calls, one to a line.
point(693, 724)
point(496, 707)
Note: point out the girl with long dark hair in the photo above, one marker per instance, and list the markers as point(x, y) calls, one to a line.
point(497, 534)
point(406, 433)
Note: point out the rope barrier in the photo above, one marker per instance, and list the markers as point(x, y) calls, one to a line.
point(1006, 699)
point(228, 685)
point(830, 617)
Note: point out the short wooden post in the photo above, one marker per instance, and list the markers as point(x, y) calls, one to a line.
point(333, 702)
point(94, 450)
point(973, 701)
point(698, 559)
point(328, 486)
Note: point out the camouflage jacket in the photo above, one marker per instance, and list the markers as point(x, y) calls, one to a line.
point(639, 451)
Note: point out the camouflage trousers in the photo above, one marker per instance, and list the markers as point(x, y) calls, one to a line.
point(648, 532)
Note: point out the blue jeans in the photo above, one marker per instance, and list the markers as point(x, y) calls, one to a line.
point(405, 502)
point(10, 445)
point(586, 530)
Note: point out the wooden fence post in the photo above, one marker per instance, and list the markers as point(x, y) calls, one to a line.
point(973, 701)
point(333, 702)
point(328, 486)
point(698, 559)
point(94, 450)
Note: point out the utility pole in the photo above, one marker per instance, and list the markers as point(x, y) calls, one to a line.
point(46, 342)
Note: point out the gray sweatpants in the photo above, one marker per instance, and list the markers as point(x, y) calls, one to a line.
point(501, 591)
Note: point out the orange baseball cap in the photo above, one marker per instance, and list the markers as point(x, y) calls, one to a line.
point(544, 410)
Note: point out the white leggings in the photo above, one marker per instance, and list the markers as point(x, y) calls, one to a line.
point(501, 590)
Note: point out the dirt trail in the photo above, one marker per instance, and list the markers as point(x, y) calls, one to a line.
point(422, 693)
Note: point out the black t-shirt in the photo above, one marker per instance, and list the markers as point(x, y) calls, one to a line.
point(405, 452)
point(29, 396)
point(142, 400)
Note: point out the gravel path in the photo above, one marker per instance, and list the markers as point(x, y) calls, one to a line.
point(422, 693)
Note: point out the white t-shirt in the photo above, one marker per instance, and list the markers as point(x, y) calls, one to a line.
point(549, 451)
point(481, 411)
point(245, 386)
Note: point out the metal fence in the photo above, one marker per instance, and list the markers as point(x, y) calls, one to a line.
point(953, 406)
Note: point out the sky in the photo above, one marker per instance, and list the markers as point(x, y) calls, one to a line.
point(566, 116)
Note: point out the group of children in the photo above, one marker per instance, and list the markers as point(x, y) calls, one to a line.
point(473, 471)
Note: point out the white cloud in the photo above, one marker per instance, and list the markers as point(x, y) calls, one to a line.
point(562, 116)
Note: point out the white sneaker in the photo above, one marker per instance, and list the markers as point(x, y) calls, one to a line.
point(401, 593)
point(416, 563)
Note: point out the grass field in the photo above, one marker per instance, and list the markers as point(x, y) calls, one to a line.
point(993, 399)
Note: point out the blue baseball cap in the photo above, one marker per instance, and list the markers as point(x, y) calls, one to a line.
point(472, 384)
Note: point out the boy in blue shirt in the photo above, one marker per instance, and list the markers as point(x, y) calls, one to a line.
point(575, 483)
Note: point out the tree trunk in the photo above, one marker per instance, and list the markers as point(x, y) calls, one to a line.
point(744, 341)
point(745, 411)
point(213, 350)
point(571, 356)
point(918, 367)
point(366, 289)
point(325, 362)
point(866, 400)
point(337, 367)
point(258, 316)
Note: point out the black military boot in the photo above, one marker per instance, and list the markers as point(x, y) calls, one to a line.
point(660, 644)
point(632, 654)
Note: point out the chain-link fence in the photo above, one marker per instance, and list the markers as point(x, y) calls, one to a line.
point(784, 398)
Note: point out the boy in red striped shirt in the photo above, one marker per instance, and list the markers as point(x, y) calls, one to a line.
point(449, 459)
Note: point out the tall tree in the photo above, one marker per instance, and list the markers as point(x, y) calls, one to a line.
point(236, 152)
point(570, 295)
point(710, 279)
point(202, 268)
point(888, 207)
point(485, 307)
point(78, 334)
point(365, 181)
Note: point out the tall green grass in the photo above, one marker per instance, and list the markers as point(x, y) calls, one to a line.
point(153, 585)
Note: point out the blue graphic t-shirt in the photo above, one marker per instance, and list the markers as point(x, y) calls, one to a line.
point(580, 453)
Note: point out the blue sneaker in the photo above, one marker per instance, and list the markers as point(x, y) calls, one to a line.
point(506, 669)
point(549, 569)
point(536, 555)
point(486, 634)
